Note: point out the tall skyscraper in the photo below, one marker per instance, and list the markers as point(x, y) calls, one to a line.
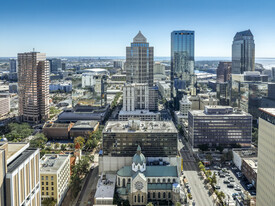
point(33, 86)
point(13, 67)
point(139, 61)
point(266, 158)
point(182, 59)
point(243, 52)
point(224, 72)
point(139, 93)
point(55, 65)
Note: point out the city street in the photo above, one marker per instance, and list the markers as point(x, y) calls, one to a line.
point(199, 193)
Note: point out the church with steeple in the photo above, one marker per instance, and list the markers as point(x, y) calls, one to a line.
point(144, 182)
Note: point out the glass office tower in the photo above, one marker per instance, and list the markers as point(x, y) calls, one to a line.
point(243, 52)
point(182, 61)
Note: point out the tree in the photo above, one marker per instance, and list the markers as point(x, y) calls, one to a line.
point(56, 145)
point(255, 135)
point(38, 141)
point(49, 202)
point(150, 204)
point(18, 131)
point(178, 204)
point(80, 141)
point(71, 145)
point(63, 147)
point(203, 147)
point(209, 157)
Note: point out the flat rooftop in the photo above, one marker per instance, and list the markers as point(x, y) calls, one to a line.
point(14, 149)
point(52, 163)
point(246, 153)
point(221, 111)
point(140, 127)
point(85, 124)
point(138, 112)
point(57, 125)
point(270, 111)
point(20, 159)
point(253, 163)
point(106, 188)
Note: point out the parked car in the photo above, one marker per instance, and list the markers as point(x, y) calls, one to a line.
point(230, 185)
point(249, 186)
point(222, 176)
point(253, 193)
point(234, 168)
point(237, 188)
point(234, 195)
point(226, 182)
point(217, 187)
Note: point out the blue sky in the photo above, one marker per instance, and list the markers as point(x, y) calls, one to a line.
point(106, 27)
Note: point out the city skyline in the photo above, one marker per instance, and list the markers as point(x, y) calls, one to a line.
point(101, 28)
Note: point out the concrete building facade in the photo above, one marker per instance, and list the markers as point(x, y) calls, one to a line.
point(54, 177)
point(219, 126)
point(266, 158)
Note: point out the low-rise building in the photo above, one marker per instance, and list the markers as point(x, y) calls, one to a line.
point(54, 177)
point(249, 169)
point(105, 190)
point(83, 128)
point(240, 153)
point(57, 130)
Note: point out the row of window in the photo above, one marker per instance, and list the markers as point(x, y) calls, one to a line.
point(47, 188)
point(46, 177)
point(46, 193)
point(52, 183)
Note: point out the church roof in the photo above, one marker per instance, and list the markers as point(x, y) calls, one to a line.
point(140, 38)
point(151, 171)
point(160, 186)
point(139, 159)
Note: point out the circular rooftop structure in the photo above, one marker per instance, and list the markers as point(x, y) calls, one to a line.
point(97, 71)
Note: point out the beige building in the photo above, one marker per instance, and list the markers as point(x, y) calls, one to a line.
point(20, 174)
point(33, 86)
point(4, 104)
point(266, 158)
point(55, 177)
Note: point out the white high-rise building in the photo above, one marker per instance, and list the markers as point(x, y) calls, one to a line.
point(266, 158)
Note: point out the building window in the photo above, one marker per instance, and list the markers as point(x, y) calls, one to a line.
point(42, 183)
point(174, 180)
point(148, 180)
point(154, 195)
point(47, 188)
point(159, 195)
point(163, 180)
point(158, 180)
point(46, 177)
point(164, 195)
point(168, 180)
point(47, 193)
point(169, 195)
point(135, 198)
point(42, 177)
point(47, 183)
point(52, 193)
point(51, 177)
point(42, 193)
point(142, 198)
point(52, 183)
point(138, 197)
point(52, 188)
point(123, 182)
point(118, 181)
point(42, 188)
point(149, 195)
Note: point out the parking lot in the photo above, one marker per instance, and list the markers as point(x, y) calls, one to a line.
point(228, 176)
